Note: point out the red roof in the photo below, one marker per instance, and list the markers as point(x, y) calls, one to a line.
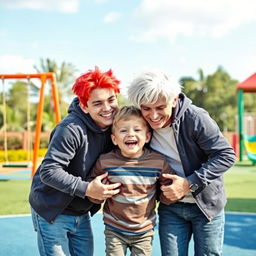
point(248, 85)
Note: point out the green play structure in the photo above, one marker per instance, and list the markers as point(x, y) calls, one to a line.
point(246, 142)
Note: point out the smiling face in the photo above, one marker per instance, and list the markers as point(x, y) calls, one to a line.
point(101, 106)
point(130, 135)
point(159, 114)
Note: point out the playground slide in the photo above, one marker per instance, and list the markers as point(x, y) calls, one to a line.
point(250, 146)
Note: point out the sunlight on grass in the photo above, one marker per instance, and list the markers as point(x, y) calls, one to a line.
point(14, 196)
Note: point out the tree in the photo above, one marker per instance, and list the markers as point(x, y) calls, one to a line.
point(17, 100)
point(195, 89)
point(64, 78)
point(217, 94)
point(122, 100)
point(64, 73)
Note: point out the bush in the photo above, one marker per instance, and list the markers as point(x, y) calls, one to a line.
point(20, 155)
point(12, 143)
point(16, 143)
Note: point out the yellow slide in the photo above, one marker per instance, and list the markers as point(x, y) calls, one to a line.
point(250, 147)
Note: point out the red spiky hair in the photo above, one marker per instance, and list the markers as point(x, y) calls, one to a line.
point(94, 79)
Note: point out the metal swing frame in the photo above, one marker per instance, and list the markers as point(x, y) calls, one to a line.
point(55, 98)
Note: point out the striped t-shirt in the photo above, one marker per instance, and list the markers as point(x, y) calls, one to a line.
point(132, 211)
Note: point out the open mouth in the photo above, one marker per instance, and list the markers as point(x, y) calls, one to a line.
point(107, 115)
point(155, 121)
point(131, 143)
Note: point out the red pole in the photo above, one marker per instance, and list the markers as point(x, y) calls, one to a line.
point(235, 143)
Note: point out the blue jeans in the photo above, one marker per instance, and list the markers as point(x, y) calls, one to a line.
point(177, 223)
point(67, 236)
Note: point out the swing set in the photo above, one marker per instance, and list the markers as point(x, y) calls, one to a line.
point(55, 98)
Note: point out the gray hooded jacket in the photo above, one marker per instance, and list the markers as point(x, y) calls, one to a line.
point(205, 154)
point(59, 185)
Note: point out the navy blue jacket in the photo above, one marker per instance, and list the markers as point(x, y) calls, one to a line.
point(60, 181)
point(205, 154)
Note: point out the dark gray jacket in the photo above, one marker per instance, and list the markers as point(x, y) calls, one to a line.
point(59, 184)
point(205, 154)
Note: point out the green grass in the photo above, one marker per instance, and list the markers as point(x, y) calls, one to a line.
point(240, 183)
point(14, 196)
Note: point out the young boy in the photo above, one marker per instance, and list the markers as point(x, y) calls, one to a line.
point(130, 216)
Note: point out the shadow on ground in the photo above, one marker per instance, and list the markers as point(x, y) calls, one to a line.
point(241, 231)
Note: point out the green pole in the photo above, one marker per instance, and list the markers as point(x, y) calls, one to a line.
point(240, 122)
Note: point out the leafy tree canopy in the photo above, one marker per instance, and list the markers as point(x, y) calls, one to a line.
point(216, 93)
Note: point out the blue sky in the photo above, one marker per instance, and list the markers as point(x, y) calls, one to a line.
point(176, 36)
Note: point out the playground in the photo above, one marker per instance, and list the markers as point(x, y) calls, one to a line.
point(247, 137)
point(18, 237)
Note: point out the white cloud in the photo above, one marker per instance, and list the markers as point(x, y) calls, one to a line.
point(111, 17)
point(65, 6)
point(169, 19)
point(16, 64)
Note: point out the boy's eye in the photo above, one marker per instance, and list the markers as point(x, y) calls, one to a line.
point(123, 130)
point(138, 130)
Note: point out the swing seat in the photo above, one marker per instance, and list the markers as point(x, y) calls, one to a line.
point(15, 165)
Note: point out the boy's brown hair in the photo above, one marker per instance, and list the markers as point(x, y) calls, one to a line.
point(125, 113)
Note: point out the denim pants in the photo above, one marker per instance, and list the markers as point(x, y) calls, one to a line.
point(67, 236)
point(177, 223)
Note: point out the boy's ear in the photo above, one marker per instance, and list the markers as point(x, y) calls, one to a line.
point(148, 136)
point(113, 139)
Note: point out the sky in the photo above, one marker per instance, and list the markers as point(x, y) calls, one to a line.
point(129, 36)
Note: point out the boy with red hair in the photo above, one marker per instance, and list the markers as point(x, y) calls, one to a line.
point(59, 190)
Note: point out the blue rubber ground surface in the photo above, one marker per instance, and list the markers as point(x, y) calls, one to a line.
point(24, 174)
point(17, 237)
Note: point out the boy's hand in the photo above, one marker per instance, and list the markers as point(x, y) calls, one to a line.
point(100, 189)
